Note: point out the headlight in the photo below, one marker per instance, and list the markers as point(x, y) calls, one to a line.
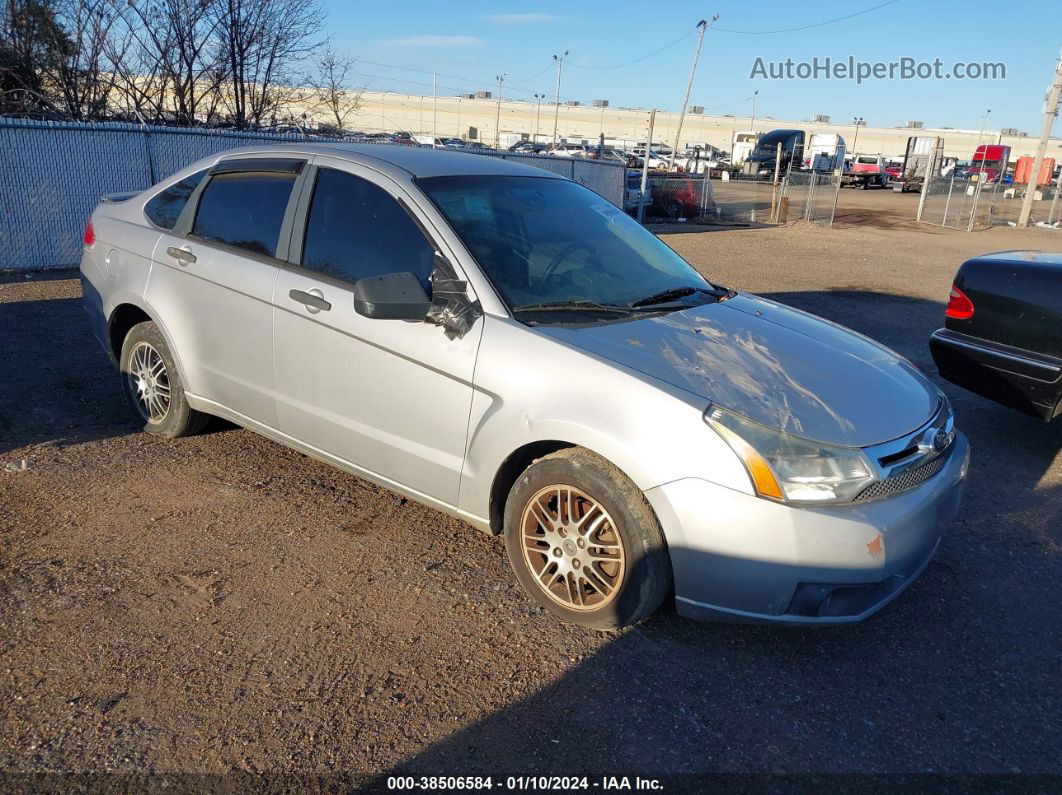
point(791, 469)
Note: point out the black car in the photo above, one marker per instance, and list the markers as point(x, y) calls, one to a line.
point(1002, 336)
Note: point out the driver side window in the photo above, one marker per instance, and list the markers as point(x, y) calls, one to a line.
point(356, 229)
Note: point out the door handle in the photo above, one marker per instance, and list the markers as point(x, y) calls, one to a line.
point(182, 255)
point(313, 301)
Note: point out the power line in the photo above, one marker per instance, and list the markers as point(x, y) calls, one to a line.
point(807, 27)
point(681, 38)
point(545, 69)
point(441, 74)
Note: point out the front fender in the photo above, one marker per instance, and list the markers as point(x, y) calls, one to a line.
point(533, 388)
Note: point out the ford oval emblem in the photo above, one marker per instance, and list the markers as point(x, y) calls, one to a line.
point(941, 440)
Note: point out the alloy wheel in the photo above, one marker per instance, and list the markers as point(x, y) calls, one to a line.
point(572, 548)
point(149, 382)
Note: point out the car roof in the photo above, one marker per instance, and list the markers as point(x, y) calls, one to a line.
point(404, 161)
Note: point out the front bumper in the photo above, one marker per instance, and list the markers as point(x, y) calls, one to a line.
point(736, 557)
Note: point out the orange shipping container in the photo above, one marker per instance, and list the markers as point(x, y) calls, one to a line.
point(1023, 170)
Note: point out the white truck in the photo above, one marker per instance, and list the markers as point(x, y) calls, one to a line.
point(824, 152)
point(741, 146)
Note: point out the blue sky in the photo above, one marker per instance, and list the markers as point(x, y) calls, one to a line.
point(475, 41)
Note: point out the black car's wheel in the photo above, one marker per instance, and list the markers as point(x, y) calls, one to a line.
point(153, 385)
point(584, 542)
point(673, 209)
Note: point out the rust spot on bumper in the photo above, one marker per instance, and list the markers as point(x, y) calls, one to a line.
point(876, 548)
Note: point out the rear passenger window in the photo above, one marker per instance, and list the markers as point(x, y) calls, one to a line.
point(357, 229)
point(165, 208)
point(244, 210)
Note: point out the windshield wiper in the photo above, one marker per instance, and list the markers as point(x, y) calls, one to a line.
point(577, 306)
point(674, 293)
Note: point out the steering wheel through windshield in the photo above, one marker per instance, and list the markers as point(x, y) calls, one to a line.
point(563, 254)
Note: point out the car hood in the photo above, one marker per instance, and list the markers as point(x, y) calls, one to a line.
point(778, 366)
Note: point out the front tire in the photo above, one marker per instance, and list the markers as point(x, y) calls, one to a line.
point(153, 384)
point(584, 542)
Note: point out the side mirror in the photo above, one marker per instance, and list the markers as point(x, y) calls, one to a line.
point(393, 296)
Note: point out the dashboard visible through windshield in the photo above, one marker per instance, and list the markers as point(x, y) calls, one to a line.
point(544, 242)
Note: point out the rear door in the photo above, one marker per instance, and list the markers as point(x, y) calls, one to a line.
point(213, 282)
point(389, 397)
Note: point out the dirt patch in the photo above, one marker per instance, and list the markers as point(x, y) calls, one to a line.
point(223, 605)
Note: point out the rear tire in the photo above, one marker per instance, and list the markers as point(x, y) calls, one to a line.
point(584, 542)
point(153, 385)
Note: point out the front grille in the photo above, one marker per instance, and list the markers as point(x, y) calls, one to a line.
point(906, 480)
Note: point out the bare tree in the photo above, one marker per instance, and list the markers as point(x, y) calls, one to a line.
point(137, 73)
point(263, 42)
point(32, 46)
point(332, 92)
point(179, 40)
point(78, 79)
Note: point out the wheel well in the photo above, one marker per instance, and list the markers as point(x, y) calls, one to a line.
point(122, 319)
point(510, 470)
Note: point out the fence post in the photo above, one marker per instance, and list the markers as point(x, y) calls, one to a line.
point(152, 174)
point(645, 165)
point(1054, 199)
point(774, 184)
point(976, 201)
point(947, 203)
point(839, 175)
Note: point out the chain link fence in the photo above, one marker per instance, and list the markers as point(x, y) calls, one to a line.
point(52, 174)
point(734, 201)
point(812, 196)
point(604, 178)
point(744, 199)
point(958, 203)
point(968, 204)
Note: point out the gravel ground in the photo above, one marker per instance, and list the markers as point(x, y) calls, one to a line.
point(223, 605)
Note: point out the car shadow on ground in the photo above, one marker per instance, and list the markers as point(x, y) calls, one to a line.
point(57, 384)
point(927, 684)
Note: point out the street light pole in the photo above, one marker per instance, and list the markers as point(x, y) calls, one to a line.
point(556, 107)
point(857, 122)
point(497, 115)
point(753, 120)
point(538, 113)
point(984, 122)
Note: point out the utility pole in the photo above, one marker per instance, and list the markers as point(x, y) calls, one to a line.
point(701, 26)
point(538, 113)
point(1050, 111)
point(497, 115)
point(556, 107)
point(434, 112)
point(645, 165)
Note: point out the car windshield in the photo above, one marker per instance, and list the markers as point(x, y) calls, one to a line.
point(545, 241)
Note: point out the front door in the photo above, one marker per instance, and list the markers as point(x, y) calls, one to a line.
point(390, 397)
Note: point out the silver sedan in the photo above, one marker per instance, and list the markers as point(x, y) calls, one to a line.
point(508, 347)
